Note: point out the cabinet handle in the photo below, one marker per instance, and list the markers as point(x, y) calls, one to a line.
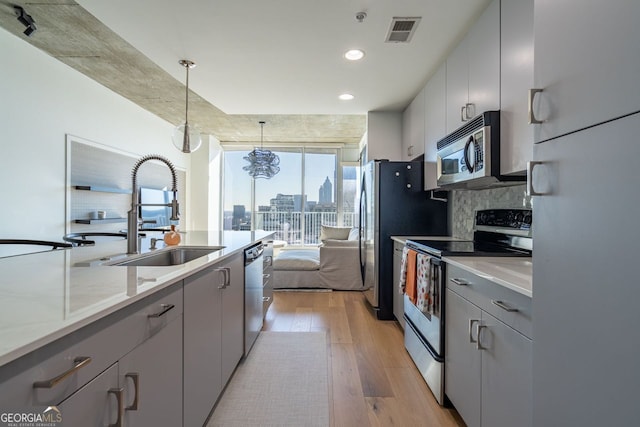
point(459, 282)
point(79, 362)
point(532, 118)
point(227, 272)
point(469, 107)
point(165, 308)
point(119, 394)
point(530, 190)
point(471, 323)
point(504, 306)
point(479, 328)
point(463, 113)
point(135, 377)
point(266, 299)
point(226, 276)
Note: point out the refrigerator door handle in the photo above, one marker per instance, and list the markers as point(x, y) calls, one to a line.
point(362, 224)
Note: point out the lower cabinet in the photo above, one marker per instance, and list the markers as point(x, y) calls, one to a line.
point(213, 335)
point(143, 386)
point(398, 301)
point(97, 403)
point(267, 274)
point(488, 367)
point(151, 378)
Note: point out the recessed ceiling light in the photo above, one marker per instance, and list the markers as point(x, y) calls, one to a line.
point(354, 54)
point(346, 97)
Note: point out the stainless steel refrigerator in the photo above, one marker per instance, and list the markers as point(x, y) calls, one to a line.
point(393, 202)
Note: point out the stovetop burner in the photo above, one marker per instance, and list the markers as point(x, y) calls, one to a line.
point(498, 232)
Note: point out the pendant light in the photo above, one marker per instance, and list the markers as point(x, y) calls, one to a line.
point(262, 163)
point(186, 137)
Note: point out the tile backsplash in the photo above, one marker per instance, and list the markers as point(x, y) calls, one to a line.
point(92, 164)
point(464, 204)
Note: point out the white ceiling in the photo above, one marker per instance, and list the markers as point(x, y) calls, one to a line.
point(285, 56)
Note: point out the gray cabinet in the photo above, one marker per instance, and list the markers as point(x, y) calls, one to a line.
point(384, 135)
point(506, 375)
point(435, 124)
point(516, 77)
point(488, 367)
point(413, 128)
point(151, 377)
point(98, 403)
point(267, 274)
point(587, 62)
point(585, 269)
point(232, 344)
point(473, 70)
point(463, 364)
point(398, 300)
point(213, 335)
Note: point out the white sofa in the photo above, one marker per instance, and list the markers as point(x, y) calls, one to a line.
point(335, 264)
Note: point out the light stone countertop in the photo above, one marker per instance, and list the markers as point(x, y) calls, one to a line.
point(511, 272)
point(47, 295)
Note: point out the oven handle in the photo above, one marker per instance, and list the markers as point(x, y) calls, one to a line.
point(424, 342)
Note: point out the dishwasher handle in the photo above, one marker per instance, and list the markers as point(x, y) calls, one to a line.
point(253, 253)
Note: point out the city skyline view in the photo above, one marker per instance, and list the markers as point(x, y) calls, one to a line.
point(287, 181)
point(296, 201)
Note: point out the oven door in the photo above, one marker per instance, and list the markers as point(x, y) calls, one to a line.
point(429, 327)
point(424, 337)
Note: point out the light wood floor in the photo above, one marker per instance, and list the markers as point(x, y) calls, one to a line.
point(373, 380)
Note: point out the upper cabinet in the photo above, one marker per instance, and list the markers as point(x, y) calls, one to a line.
point(435, 124)
point(516, 77)
point(384, 135)
point(587, 63)
point(413, 128)
point(473, 70)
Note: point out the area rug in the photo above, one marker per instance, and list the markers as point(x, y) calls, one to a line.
point(282, 382)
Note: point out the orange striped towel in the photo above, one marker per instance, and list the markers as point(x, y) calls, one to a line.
point(411, 287)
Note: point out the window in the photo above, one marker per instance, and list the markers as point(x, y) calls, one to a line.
point(310, 190)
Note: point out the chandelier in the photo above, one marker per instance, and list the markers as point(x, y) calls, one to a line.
point(186, 137)
point(262, 163)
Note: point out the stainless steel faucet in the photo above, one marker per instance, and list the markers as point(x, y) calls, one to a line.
point(133, 218)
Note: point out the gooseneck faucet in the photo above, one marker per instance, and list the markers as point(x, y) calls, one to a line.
point(133, 218)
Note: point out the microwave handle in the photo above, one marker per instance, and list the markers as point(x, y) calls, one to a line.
point(466, 154)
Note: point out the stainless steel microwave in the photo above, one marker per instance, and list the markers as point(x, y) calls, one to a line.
point(469, 157)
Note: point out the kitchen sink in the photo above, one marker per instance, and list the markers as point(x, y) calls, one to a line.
point(164, 258)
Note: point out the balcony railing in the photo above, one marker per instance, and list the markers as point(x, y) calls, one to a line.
point(290, 227)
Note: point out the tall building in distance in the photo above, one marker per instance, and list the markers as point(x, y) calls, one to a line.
point(325, 193)
point(283, 203)
point(239, 213)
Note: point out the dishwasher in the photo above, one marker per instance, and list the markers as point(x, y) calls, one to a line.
point(253, 283)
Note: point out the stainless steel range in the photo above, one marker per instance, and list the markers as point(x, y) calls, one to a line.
point(497, 232)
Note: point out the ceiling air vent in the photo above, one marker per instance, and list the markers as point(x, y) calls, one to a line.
point(402, 29)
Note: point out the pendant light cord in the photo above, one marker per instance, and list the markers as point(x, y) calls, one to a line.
point(186, 109)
